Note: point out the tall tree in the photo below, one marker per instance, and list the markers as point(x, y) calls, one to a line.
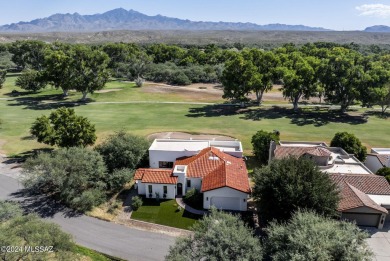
point(261, 142)
point(64, 128)
point(90, 71)
point(237, 78)
point(299, 76)
point(266, 63)
point(218, 236)
point(28, 54)
point(343, 76)
point(30, 80)
point(289, 184)
point(309, 236)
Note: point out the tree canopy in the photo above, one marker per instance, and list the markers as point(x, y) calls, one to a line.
point(30, 80)
point(77, 176)
point(350, 143)
point(261, 142)
point(64, 128)
point(123, 150)
point(309, 236)
point(218, 236)
point(3, 74)
point(289, 184)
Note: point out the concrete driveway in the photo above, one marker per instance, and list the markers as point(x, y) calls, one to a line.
point(380, 242)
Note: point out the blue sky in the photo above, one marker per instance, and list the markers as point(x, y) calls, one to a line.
point(332, 14)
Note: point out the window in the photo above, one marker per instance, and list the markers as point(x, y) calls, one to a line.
point(150, 189)
point(165, 189)
point(188, 183)
point(165, 164)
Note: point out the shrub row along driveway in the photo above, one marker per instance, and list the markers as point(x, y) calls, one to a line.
point(106, 237)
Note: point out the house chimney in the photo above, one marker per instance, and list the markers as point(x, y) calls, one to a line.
point(272, 147)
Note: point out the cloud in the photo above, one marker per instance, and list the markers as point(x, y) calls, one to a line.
point(376, 10)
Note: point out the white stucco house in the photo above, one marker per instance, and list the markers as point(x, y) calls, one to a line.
point(365, 197)
point(377, 159)
point(215, 168)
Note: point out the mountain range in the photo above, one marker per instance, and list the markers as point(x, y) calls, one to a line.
point(121, 19)
point(378, 29)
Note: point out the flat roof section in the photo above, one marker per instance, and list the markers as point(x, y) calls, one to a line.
point(194, 145)
point(347, 169)
point(381, 150)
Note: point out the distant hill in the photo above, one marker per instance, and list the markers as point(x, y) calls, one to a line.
point(378, 29)
point(121, 19)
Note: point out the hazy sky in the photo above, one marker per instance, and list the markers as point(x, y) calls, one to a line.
point(332, 14)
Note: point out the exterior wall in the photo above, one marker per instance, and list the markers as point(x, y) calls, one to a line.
point(228, 193)
point(181, 178)
point(158, 155)
point(195, 183)
point(141, 187)
point(364, 211)
point(373, 163)
point(159, 188)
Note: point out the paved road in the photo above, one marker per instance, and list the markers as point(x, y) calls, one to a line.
point(106, 237)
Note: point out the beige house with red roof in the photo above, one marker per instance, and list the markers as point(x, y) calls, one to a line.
point(378, 158)
point(216, 172)
point(365, 197)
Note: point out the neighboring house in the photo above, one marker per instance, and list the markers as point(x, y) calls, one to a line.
point(207, 166)
point(365, 197)
point(378, 158)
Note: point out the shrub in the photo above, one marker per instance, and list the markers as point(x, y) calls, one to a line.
point(9, 210)
point(3, 74)
point(309, 236)
point(118, 178)
point(123, 150)
point(385, 172)
point(218, 236)
point(194, 198)
point(350, 143)
point(136, 202)
point(289, 184)
point(139, 82)
point(76, 176)
point(179, 78)
point(261, 144)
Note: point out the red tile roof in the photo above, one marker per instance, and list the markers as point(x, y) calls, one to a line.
point(217, 169)
point(159, 176)
point(285, 151)
point(367, 183)
point(384, 159)
point(352, 198)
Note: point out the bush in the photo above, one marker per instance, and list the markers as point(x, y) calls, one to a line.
point(9, 210)
point(350, 143)
point(385, 172)
point(136, 202)
point(76, 176)
point(179, 78)
point(309, 236)
point(261, 144)
point(289, 184)
point(218, 236)
point(123, 150)
point(139, 82)
point(194, 198)
point(118, 178)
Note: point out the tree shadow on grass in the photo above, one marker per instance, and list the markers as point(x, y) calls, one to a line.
point(377, 114)
point(22, 157)
point(46, 102)
point(43, 205)
point(302, 117)
point(305, 116)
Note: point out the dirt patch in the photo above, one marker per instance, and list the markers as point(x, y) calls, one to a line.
point(108, 90)
point(188, 136)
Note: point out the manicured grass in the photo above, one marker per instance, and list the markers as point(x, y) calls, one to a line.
point(17, 115)
point(165, 212)
point(94, 255)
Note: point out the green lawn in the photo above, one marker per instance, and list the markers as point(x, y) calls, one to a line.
point(165, 212)
point(18, 113)
point(94, 255)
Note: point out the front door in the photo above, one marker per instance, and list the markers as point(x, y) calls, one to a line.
point(179, 189)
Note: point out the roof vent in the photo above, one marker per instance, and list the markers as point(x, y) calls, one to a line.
point(213, 158)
